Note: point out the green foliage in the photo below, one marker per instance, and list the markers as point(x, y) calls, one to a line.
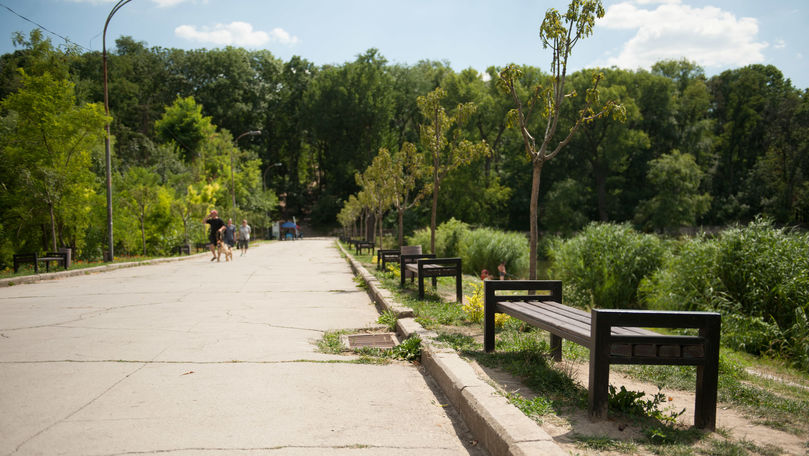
point(631, 403)
point(184, 126)
point(757, 276)
point(677, 202)
point(389, 319)
point(449, 238)
point(409, 350)
point(486, 248)
point(603, 265)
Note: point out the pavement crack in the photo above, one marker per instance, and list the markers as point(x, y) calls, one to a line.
point(355, 446)
point(87, 404)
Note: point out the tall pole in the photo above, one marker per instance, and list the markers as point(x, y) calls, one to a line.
point(232, 182)
point(107, 154)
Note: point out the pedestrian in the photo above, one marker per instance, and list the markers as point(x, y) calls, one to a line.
point(244, 236)
point(217, 227)
point(230, 234)
point(502, 270)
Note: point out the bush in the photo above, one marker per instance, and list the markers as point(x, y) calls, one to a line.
point(757, 276)
point(604, 264)
point(485, 248)
point(686, 280)
point(448, 238)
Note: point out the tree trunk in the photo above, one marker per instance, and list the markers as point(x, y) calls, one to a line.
point(53, 226)
point(143, 233)
point(401, 227)
point(534, 222)
point(433, 215)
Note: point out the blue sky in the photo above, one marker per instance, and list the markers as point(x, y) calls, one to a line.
point(716, 34)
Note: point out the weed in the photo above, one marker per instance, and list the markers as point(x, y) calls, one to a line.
point(331, 342)
point(389, 319)
point(534, 408)
point(409, 350)
point(631, 403)
point(604, 443)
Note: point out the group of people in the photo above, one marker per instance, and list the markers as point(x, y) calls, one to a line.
point(223, 236)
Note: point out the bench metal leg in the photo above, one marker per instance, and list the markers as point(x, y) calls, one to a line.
point(421, 285)
point(556, 347)
point(708, 378)
point(458, 287)
point(488, 319)
point(599, 369)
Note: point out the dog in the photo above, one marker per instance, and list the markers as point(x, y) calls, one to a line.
point(223, 247)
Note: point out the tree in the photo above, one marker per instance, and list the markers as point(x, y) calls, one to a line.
point(560, 33)
point(140, 193)
point(445, 154)
point(377, 187)
point(676, 179)
point(183, 125)
point(47, 152)
point(407, 169)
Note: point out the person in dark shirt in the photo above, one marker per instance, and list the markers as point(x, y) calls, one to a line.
point(217, 227)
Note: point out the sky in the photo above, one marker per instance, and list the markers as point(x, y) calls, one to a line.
point(716, 34)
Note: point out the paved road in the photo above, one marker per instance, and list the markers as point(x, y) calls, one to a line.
point(195, 357)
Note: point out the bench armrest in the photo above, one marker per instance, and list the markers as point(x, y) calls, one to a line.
point(551, 290)
point(433, 260)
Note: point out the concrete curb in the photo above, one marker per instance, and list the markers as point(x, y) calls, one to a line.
point(34, 278)
point(499, 426)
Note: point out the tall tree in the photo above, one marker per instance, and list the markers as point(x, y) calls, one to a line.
point(47, 150)
point(560, 33)
point(446, 148)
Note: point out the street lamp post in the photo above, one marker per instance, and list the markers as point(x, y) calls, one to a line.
point(264, 178)
point(107, 153)
point(232, 181)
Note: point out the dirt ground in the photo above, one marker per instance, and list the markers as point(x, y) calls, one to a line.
point(564, 428)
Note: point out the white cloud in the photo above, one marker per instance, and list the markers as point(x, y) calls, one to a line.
point(235, 34)
point(780, 44)
point(166, 3)
point(709, 36)
point(280, 35)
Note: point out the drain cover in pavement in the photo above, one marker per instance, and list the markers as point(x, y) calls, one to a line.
point(375, 340)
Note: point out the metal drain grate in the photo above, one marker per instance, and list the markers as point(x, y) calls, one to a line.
point(375, 340)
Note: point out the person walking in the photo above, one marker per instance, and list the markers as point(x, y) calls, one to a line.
point(230, 234)
point(217, 227)
point(244, 236)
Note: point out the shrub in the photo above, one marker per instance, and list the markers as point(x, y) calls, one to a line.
point(757, 276)
point(485, 248)
point(448, 238)
point(686, 280)
point(603, 265)
point(473, 307)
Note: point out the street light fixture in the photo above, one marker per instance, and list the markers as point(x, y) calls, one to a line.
point(264, 178)
point(107, 154)
point(232, 181)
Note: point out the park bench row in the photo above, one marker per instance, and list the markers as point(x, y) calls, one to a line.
point(612, 336)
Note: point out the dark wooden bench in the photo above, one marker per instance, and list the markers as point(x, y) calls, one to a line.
point(385, 256)
point(33, 258)
point(614, 337)
point(428, 266)
point(180, 249)
point(360, 245)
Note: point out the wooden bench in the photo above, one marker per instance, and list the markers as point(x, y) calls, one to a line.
point(423, 266)
point(180, 249)
point(33, 258)
point(614, 337)
point(385, 256)
point(360, 245)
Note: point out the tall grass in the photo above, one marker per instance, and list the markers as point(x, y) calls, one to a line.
point(604, 264)
point(757, 276)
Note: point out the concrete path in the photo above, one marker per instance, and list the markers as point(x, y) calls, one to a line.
point(195, 357)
